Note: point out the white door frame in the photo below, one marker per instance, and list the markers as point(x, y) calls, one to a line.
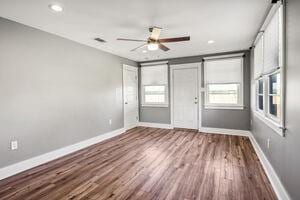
point(186, 66)
point(131, 68)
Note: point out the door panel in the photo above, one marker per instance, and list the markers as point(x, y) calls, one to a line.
point(130, 96)
point(185, 95)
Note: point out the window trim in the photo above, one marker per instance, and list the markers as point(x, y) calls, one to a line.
point(277, 126)
point(165, 104)
point(240, 105)
point(273, 122)
point(142, 86)
point(224, 105)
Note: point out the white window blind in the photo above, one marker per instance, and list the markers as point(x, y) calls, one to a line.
point(154, 83)
point(154, 75)
point(271, 44)
point(269, 86)
point(223, 70)
point(258, 58)
point(224, 83)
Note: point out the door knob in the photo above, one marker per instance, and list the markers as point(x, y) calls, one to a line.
point(126, 102)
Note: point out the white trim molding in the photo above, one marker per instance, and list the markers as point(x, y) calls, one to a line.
point(44, 158)
point(274, 179)
point(154, 63)
point(134, 69)
point(196, 65)
point(155, 125)
point(276, 183)
point(225, 131)
point(224, 56)
point(276, 127)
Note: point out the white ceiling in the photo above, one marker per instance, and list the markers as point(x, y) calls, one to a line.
point(231, 23)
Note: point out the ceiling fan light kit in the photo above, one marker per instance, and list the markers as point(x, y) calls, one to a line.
point(153, 42)
point(152, 46)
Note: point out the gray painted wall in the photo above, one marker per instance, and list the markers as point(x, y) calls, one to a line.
point(54, 92)
point(284, 151)
point(215, 118)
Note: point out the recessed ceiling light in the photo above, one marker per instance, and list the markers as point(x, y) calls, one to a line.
point(211, 41)
point(144, 51)
point(56, 7)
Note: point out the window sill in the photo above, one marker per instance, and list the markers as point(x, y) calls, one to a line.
point(155, 105)
point(270, 123)
point(224, 107)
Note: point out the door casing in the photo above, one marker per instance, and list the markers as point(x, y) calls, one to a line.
point(199, 88)
point(135, 69)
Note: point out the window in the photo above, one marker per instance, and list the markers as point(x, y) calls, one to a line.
point(155, 94)
point(223, 93)
point(268, 69)
point(274, 96)
point(260, 94)
point(154, 85)
point(224, 83)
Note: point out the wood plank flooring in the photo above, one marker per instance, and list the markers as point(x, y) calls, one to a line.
point(149, 163)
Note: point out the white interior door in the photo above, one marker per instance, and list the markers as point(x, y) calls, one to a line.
point(130, 89)
point(185, 98)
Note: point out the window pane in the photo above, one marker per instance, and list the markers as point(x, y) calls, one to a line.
point(261, 102)
point(223, 88)
point(260, 86)
point(154, 98)
point(223, 93)
point(275, 83)
point(223, 98)
point(275, 105)
point(155, 88)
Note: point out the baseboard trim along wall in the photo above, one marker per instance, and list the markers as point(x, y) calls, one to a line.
point(278, 187)
point(44, 158)
point(155, 125)
point(224, 131)
point(38, 160)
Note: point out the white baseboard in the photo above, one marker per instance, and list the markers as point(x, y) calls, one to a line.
point(276, 183)
point(225, 131)
point(44, 158)
point(38, 160)
point(155, 125)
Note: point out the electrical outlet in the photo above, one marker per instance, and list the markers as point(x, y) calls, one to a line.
point(14, 145)
point(110, 122)
point(268, 143)
point(251, 122)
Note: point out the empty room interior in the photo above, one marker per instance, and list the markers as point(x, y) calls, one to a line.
point(150, 100)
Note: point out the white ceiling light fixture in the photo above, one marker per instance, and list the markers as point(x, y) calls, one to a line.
point(144, 51)
point(211, 41)
point(152, 46)
point(56, 7)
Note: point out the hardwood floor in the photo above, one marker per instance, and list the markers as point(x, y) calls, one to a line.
point(149, 163)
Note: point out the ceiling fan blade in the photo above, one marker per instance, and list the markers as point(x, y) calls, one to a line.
point(132, 40)
point(138, 47)
point(155, 33)
point(163, 47)
point(178, 39)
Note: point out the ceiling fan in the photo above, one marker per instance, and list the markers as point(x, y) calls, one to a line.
point(153, 42)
